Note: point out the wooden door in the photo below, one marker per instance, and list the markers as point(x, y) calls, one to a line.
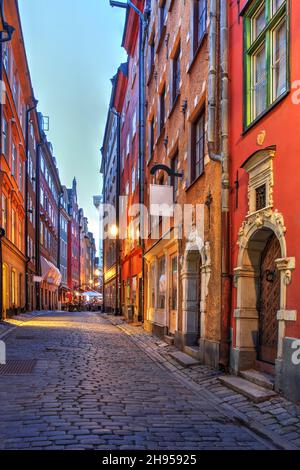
point(269, 303)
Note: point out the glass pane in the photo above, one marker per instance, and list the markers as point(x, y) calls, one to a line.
point(174, 283)
point(279, 60)
point(276, 4)
point(258, 22)
point(258, 82)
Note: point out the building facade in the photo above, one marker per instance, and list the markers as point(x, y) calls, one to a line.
point(17, 98)
point(127, 100)
point(49, 194)
point(87, 254)
point(183, 265)
point(63, 253)
point(73, 240)
point(110, 170)
point(265, 254)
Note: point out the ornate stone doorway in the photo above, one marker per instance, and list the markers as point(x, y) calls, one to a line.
point(264, 271)
point(195, 276)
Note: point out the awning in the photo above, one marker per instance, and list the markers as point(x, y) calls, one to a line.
point(50, 273)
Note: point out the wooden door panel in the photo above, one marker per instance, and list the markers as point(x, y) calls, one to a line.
point(269, 302)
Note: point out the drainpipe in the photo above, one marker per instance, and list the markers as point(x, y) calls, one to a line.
point(118, 192)
point(37, 225)
point(222, 157)
point(144, 17)
point(28, 111)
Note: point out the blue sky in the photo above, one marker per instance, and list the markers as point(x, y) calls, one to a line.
point(74, 49)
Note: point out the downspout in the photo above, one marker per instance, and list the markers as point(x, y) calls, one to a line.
point(102, 227)
point(144, 17)
point(222, 157)
point(59, 241)
point(118, 192)
point(28, 111)
point(37, 226)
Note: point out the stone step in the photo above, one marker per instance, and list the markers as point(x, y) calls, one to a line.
point(250, 390)
point(184, 359)
point(193, 351)
point(259, 378)
point(169, 339)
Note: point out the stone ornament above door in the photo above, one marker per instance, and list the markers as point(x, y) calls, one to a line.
point(259, 167)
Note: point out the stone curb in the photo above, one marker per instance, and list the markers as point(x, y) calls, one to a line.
point(273, 439)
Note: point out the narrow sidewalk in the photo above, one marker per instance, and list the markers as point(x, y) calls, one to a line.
point(276, 419)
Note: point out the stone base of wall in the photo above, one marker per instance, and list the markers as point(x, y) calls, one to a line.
point(158, 330)
point(209, 352)
point(184, 339)
point(287, 379)
point(242, 359)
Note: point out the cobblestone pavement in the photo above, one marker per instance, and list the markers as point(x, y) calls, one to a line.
point(278, 419)
point(94, 388)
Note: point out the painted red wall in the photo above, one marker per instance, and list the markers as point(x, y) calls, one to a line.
point(282, 127)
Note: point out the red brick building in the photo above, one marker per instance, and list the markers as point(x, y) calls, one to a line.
point(49, 192)
point(264, 148)
point(127, 104)
point(73, 240)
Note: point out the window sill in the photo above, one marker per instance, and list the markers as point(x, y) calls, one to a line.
point(196, 53)
point(150, 76)
point(161, 38)
point(265, 112)
point(174, 104)
point(193, 182)
point(161, 134)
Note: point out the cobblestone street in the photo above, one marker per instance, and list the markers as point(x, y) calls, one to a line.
point(94, 388)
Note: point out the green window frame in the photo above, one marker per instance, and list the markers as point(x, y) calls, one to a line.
point(266, 57)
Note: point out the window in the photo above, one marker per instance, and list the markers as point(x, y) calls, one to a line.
point(151, 138)
point(4, 212)
point(15, 90)
point(151, 55)
point(161, 282)
point(128, 144)
point(197, 150)
point(5, 137)
point(199, 26)
point(13, 226)
point(162, 108)
point(20, 234)
point(174, 284)
point(6, 57)
point(176, 75)
point(13, 287)
point(42, 197)
point(261, 197)
point(162, 16)
point(134, 124)
point(153, 289)
point(174, 166)
point(266, 39)
point(14, 160)
point(133, 180)
point(21, 176)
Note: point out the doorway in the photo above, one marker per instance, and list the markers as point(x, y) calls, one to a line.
point(269, 302)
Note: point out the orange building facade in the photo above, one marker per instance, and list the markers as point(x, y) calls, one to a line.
point(17, 97)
